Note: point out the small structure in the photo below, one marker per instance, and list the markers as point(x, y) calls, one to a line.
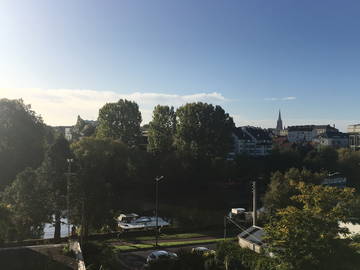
point(252, 238)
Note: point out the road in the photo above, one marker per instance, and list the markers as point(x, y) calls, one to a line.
point(37, 247)
point(135, 260)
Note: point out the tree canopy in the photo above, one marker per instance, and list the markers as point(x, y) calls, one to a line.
point(26, 198)
point(282, 187)
point(120, 121)
point(203, 130)
point(52, 174)
point(162, 129)
point(101, 165)
point(306, 236)
point(21, 139)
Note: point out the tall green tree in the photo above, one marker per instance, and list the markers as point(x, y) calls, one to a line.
point(21, 139)
point(349, 165)
point(101, 165)
point(283, 186)
point(52, 174)
point(5, 222)
point(162, 129)
point(306, 236)
point(120, 121)
point(203, 130)
point(26, 198)
point(322, 159)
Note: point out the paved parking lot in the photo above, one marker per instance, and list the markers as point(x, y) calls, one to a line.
point(135, 260)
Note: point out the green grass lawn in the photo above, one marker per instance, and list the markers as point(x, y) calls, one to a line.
point(133, 247)
point(165, 237)
point(171, 236)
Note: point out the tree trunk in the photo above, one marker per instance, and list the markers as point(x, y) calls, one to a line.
point(57, 226)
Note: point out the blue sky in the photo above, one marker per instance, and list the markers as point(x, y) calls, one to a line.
point(251, 57)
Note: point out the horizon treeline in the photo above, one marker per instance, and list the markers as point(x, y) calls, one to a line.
point(113, 169)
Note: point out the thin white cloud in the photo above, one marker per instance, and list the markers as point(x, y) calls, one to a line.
point(288, 98)
point(279, 98)
point(61, 106)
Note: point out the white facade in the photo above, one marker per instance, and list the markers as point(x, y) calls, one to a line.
point(308, 133)
point(68, 134)
point(300, 135)
point(337, 140)
point(353, 128)
point(252, 141)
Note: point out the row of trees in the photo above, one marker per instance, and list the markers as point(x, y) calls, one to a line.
point(113, 170)
point(196, 129)
point(108, 162)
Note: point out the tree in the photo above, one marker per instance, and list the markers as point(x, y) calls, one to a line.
point(283, 186)
point(233, 257)
point(120, 120)
point(162, 129)
point(101, 165)
point(203, 130)
point(349, 165)
point(21, 139)
point(322, 159)
point(306, 236)
point(5, 222)
point(52, 172)
point(27, 201)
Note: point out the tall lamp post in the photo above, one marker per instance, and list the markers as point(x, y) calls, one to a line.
point(69, 161)
point(157, 180)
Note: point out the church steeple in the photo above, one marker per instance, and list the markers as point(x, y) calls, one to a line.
point(279, 125)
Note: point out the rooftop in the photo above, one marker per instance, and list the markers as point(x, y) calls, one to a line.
point(254, 234)
point(246, 132)
point(311, 127)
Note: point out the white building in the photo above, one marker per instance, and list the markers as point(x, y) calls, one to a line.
point(353, 128)
point(252, 238)
point(333, 139)
point(68, 133)
point(354, 136)
point(252, 141)
point(306, 133)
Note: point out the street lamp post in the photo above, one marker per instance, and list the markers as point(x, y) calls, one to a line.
point(157, 180)
point(69, 161)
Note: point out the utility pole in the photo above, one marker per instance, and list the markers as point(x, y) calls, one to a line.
point(254, 202)
point(69, 160)
point(157, 180)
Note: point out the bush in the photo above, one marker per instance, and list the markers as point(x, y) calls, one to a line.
point(68, 252)
point(233, 257)
point(100, 255)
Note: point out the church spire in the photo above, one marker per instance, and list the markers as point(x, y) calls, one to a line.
point(279, 125)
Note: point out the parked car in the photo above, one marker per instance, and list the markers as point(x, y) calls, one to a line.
point(160, 255)
point(203, 251)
